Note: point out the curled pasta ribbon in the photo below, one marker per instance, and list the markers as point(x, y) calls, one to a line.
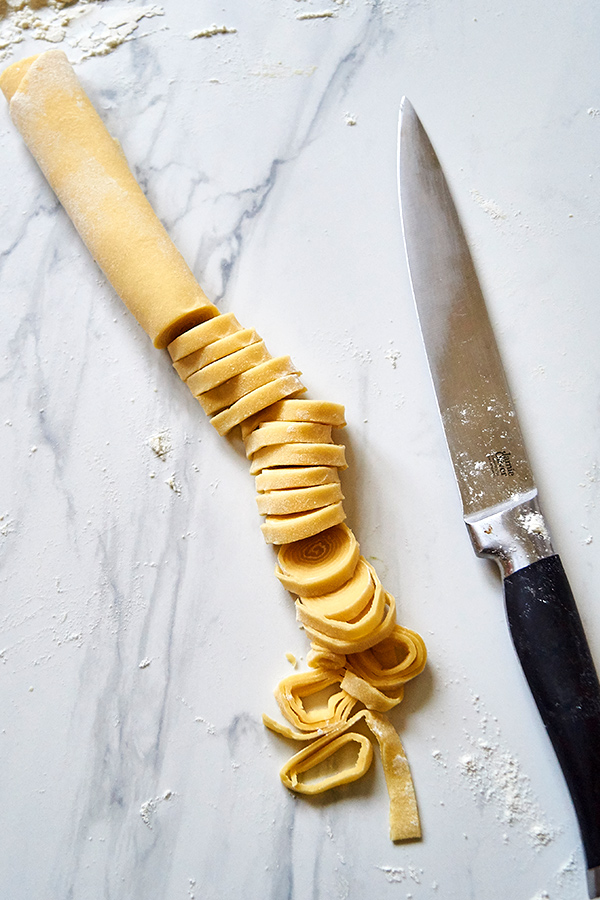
point(357, 644)
point(392, 662)
point(321, 658)
point(319, 752)
point(369, 695)
point(336, 705)
point(319, 564)
point(352, 626)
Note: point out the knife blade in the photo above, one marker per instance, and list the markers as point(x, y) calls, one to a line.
point(499, 496)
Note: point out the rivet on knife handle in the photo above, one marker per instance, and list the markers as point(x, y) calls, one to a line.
point(494, 477)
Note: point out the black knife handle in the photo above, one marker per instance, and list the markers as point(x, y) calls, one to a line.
point(551, 645)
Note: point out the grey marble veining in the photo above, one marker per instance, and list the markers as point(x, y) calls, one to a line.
point(142, 630)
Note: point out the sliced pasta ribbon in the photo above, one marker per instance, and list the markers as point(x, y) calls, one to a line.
point(318, 411)
point(295, 477)
point(286, 433)
point(201, 335)
point(319, 564)
point(295, 527)
point(215, 350)
point(222, 370)
point(239, 386)
point(247, 405)
point(298, 455)
point(355, 645)
point(345, 603)
point(296, 500)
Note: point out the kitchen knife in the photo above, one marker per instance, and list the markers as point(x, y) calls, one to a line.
point(499, 496)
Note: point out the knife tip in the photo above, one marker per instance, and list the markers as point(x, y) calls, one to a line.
point(407, 112)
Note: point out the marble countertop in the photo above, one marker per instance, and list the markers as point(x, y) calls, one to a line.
point(143, 630)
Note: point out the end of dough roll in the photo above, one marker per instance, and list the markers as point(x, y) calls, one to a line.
point(86, 169)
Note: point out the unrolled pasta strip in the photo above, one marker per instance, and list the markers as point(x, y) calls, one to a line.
point(371, 696)
point(359, 656)
point(318, 752)
point(404, 814)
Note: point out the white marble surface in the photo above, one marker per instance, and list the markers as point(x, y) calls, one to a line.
point(142, 627)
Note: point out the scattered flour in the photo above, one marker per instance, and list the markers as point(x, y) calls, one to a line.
point(213, 31)
point(495, 777)
point(393, 356)
point(398, 874)
point(56, 22)
point(161, 444)
point(210, 728)
point(6, 525)
point(173, 484)
point(488, 206)
point(534, 523)
point(325, 14)
point(149, 807)
point(113, 31)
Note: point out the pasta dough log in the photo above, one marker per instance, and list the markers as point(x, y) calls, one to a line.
point(88, 172)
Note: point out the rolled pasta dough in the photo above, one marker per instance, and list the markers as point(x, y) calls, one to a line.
point(89, 174)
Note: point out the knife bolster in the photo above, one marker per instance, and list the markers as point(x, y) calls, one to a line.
point(515, 536)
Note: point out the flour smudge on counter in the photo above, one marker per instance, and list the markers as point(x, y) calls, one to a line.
point(55, 22)
point(212, 31)
point(161, 444)
point(495, 777)
point(325, 14)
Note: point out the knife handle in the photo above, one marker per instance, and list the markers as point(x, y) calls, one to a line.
point(551, 645)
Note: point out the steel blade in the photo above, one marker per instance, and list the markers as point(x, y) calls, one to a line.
point(482, 431)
